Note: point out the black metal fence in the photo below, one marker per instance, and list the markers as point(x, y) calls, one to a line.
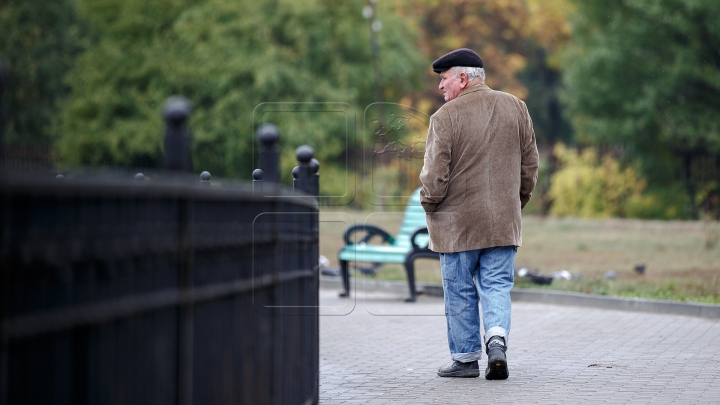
point(139, 291)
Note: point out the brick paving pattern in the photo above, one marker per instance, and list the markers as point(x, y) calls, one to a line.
point(376, 349)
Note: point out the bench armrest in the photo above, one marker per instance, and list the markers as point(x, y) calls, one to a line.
point(420, 231)
point(370, 231)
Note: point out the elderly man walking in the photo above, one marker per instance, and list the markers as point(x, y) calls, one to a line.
point(481, 163)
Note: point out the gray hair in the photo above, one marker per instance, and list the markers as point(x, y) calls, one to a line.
point(471, 72)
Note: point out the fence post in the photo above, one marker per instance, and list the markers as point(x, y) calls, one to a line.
point(306, 171)
point(176, 111)
point(3, 115)
point(315, 176)
point(295, 174)
point(257, 182)
point(178, 158)
point(269, 135)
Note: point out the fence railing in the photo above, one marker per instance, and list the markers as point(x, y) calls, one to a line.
point(158, 291)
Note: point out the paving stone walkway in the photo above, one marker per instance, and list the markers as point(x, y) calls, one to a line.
point(376, 349)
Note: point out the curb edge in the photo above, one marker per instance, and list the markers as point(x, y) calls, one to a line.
point(555, 297)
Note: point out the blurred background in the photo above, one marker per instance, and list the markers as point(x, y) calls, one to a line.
point(624, 96)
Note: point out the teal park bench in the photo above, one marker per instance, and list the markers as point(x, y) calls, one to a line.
point(409, 244)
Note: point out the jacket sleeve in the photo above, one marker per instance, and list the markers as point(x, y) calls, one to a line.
point(529, 160)
point(435, 173)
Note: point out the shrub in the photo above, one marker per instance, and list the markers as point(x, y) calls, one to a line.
point(588, 186)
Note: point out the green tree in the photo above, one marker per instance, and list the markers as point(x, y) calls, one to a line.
point(645, 75)
point(39, 42)
point(228, 57)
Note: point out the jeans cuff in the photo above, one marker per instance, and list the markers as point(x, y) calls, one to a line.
point(496, 331)
point(467, 357)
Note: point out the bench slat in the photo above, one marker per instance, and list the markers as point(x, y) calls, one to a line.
point(413, 219)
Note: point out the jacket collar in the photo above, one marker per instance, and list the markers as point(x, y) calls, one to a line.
point(474, 88)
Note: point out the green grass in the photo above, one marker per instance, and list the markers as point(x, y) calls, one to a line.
point(682, 258)
point(675, 289)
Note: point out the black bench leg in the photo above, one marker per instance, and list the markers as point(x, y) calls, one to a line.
point(345, 278)
point(410, 270)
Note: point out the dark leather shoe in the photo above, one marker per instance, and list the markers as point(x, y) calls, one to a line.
point(497, 362)
point(458, 369)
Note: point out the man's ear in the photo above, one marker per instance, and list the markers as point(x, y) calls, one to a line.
point(463, 80)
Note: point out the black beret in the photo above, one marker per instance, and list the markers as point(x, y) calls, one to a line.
point(459, 57)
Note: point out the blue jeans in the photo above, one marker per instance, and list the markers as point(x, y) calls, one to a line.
point(489, 274)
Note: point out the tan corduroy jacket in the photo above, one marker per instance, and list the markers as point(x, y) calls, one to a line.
point(481, 164)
